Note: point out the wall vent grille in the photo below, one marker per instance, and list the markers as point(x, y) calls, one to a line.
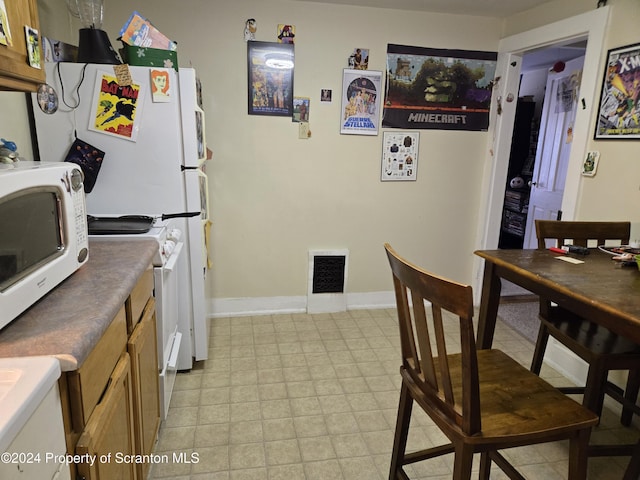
point(327, 281)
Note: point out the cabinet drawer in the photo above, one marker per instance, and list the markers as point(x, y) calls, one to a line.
point(88, 383)
point(138, 299)
point(110, 430)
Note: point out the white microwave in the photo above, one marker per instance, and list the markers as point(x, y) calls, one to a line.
point(43, 231)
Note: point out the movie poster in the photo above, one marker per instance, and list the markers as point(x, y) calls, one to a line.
point(116, 108)
point(619, 113)
point(361, 95)
point(441, 89)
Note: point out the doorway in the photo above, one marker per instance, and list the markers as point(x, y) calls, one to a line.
point(541, 141)
point(590, 26)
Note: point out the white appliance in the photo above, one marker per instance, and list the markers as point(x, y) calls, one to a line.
point(44, 231)
point(170, 265)
point(157, 169)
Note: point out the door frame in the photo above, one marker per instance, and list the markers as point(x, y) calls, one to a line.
point(591, 26)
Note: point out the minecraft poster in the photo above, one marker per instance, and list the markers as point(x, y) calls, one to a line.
point(441, 89)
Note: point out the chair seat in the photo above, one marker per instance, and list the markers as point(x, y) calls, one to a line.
point(587, 338)
point(516, 405)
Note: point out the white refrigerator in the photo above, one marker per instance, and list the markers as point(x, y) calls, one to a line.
point(154, 153)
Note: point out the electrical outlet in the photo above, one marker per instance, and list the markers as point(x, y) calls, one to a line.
point(303, 130)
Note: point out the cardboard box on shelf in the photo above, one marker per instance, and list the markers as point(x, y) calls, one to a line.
point(138, 31)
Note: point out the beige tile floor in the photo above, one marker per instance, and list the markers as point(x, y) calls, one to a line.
point(314, 397)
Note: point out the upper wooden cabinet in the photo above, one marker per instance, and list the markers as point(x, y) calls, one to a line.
point(15, 71)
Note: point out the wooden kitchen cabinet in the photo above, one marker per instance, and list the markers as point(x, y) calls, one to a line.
point(142, 348)
point(15, 71)
point(109, 434)
point(137, 301)
point(111, 403)
point(87, 384)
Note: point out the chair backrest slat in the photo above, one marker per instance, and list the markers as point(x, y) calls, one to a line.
point(580, 232)
point(435, 303)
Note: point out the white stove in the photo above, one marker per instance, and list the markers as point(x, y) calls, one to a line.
point(170, 267)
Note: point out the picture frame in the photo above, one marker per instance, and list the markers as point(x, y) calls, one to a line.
point(399, 155)
point(590, 164)
point(270, 67)
point(301, 106)
point(438, 89)
point(360, 106)
point(116, 109)
point(619, 110)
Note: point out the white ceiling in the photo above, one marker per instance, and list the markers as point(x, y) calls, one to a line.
point(487, 8)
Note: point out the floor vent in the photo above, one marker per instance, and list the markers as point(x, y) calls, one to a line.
point(327, 281)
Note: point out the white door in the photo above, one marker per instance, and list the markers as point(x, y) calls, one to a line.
point(554, 146)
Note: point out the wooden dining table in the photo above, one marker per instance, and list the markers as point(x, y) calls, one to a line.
point(592, 286)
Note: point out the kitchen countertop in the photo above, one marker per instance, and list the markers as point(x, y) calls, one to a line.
point(70, 320)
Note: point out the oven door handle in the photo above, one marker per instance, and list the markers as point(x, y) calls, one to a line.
point(173, 259)
point(173, 359)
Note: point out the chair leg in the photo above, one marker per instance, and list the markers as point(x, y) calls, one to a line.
point(578, 446)
point(541, 346)
point(485, 466)
point(463, 462)
point(631, 395)
point(595, 387)
point(402, 431)
point(633, 469)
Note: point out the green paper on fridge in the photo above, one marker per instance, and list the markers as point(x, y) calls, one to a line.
point(149, 57)
point(138, 31)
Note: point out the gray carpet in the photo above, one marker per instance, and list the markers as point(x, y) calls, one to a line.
point(522, 317)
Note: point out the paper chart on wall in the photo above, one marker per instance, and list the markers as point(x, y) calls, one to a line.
point(399, 155)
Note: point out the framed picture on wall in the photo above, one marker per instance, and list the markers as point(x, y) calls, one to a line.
point(399, 155)
point(270, 68)
point(619, 110)
point(361, 95)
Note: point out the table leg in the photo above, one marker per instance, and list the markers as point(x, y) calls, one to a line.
point(489, 302)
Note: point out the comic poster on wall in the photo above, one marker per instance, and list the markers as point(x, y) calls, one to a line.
point(441, 89)
point(270, 69)
point(361, 96)
point(116, 108)
point(619, 112)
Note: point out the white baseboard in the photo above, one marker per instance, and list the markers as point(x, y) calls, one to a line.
point(243, 306)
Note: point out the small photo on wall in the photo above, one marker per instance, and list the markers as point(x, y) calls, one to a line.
point(286, 33)
point(300, 109)
point(359, 59)
point(5, 32)
point(33, 46)
point(590, 164)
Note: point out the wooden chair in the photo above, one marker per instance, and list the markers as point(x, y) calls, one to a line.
point(602, 349)
point(482, 400)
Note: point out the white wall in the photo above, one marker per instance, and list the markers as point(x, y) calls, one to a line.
point(274, 196)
